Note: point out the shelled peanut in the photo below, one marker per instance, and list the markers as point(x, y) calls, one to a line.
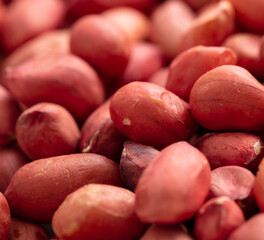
point(131, 119)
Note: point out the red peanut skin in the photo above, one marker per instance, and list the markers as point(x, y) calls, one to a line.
point(262, 48)
point(228, 98)
point(84, 7)
point(165, 192)
point(22, 230)
point(151, 115)
point(132, 21)
point(38, 188)
point(259, 187)
point(191, 64)
point(135, 158)
point(63, 79)
point(2, 14)
point(5, 217)
point(11, 159)
point(47, 130)
point(196, 4)
point(237, 183)
point(51, 42)
point(167, 120)
point(158, 232)
point(168, 35)
point(251, 229)
point(250, 14)
point(25, 20)
point(160, 77)
point(99, 134)
point(210, 28)
point(139, 67)
point(217, 219)
point(247, 47)
point(8, 116)
point(234, 148)
point(98, 211)
point(103, 44)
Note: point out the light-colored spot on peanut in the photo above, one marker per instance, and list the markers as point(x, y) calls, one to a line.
point(124, 153)
point(257, 147)
point(221, 200)
point(198, 47)
point(91, 142)
point(126, 122)
point(71, 229)
point(156, 100)
point(201, 210)
point(40, 174)
point(50, 161)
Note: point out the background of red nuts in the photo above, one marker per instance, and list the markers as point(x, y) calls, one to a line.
point(131, 119)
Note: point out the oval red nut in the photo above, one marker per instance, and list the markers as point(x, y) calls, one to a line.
point(103, 44)
point(64, 79)
point(232, 148)
point(228, 98)
point(47, 130)
point(217, 219)
point(174, 186)
point(25, 20)
point(38, 188)
point(188, 66)
point(98, 211)
point(151, 115)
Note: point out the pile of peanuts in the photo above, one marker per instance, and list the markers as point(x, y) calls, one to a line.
point(131, 119)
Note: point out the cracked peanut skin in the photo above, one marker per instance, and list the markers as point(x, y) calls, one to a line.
point(38, 188)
